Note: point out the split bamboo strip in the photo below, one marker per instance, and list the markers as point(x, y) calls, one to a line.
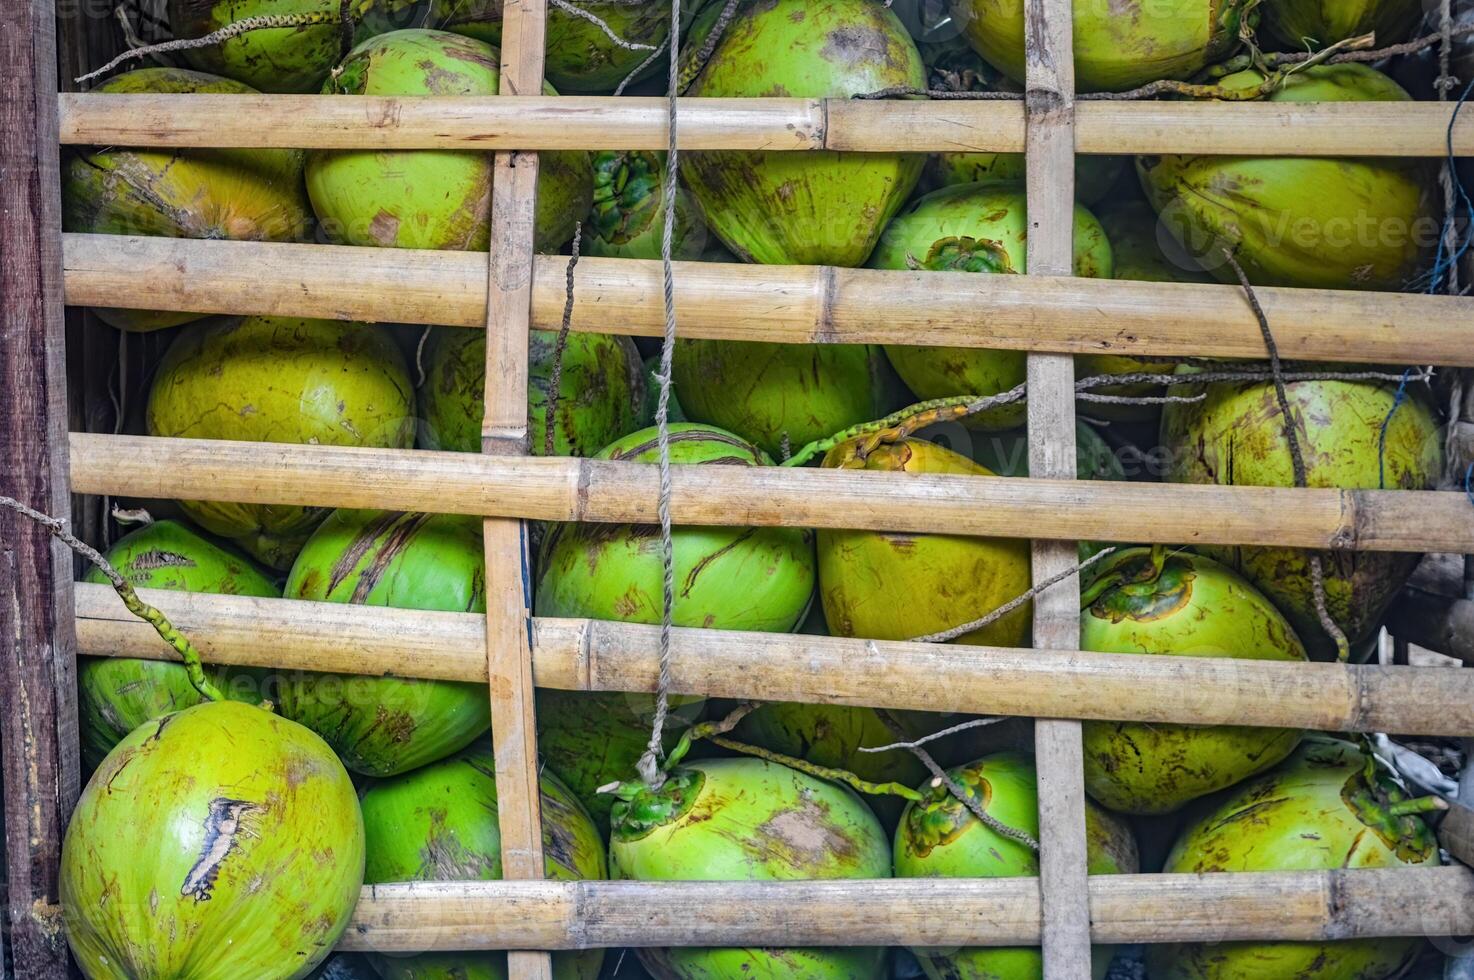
point(1398, 129)
point(1058, 750)
point(593, 655)
point(1290, 905)
point(793, 304)
point(504, 432)
point(568, 489)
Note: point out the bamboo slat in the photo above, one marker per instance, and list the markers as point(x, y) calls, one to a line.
point(568, 489)
point(793, 304)
point(1059, 753)
point(1295, 905)
point(592, 655)
point(504, 432)
point(1397, 129)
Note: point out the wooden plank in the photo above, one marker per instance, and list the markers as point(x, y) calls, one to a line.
point(1059, 753)
point(788, 304)
point(38, 722)
point(592, 655)
point(1305, 906)
point(568, 489)
point(1395, 129)
point(504, 432)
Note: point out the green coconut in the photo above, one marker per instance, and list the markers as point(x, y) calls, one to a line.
point(814, 208)
point(628, 217)
point(601, 391)
point(117, 694)
point(1007, 454)
point(1319, 812)
point(1147, 601)
point(1094, 175)
point(735, 578)
point(280, 379)
point(1136, 246)
point(891, 586)
point(381, 726)
point(440, 823)
point(241, 194)
point(1117, 46)
point(774, 394)
point(214, 843)
point(431, 198)
point(1368, 225)
point(1235, 437)
point(1301, 24)
point(940, 838)
point(974, 228)
point(284, 59)
point(580, 56)
point(749, 820)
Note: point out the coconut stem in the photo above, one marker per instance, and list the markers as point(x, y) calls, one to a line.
point(1423, 804)
point(823, 772)
point(707, 729)
point(149, 614)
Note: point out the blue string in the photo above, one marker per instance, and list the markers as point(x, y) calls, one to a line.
point(1469, 483)
point(1444, 263)
point(1397, 401)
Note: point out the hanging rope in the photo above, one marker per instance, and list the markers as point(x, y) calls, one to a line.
point(555, 382)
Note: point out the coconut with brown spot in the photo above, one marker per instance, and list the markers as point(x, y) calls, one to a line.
point(287, 380)
point(431, 198)
point(749, 820)
point(974, 228)
point(1326, 809)
point(811, 208)
point(1235, 437)
point(736, 578)
point(601, 391)
point(940, 838)
point(381, 726)
point(239, 194)
point(440, 823)
point(1149, 601)
point(893, 586)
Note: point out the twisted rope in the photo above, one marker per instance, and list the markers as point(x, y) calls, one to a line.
point(555, 382)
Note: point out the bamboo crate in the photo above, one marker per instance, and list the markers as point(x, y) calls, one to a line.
point(45, 620)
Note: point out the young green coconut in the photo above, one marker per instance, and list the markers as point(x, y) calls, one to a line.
point(1235, 436)
point(240, 194)
point(974, 228)
point(280, 379)
point(440, 823)
point(783, 394)
point(815, 208)
point(1134, 232)
point(1316, 24)
point(580, 55)
point(732, 578)
point(1116, 48)
point(381, 726)
point(1368, 225)
point(627, 218)
point(117, 694)
point(941, 838)
point(1147, 601)
point(1327, 808)
point(431, 198)
point(865, 577)
point(284, 59)
point(601, 391)
point(749, 819)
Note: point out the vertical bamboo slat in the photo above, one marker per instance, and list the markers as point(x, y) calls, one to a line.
point(1050, 149)
point(504, 431)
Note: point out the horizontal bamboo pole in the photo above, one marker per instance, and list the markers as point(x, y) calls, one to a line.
point(592, 655)
point(567, 489)
point(1291, 905)
point(593, 122)
point(793, 304)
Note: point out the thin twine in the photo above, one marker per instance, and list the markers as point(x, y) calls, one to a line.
point(1287, 424)
point(242, 26)
point(1469, 483)
point(1397, 401)
point(649, 764)
point(599, 22)
point(933, 737)
point(555, 381)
